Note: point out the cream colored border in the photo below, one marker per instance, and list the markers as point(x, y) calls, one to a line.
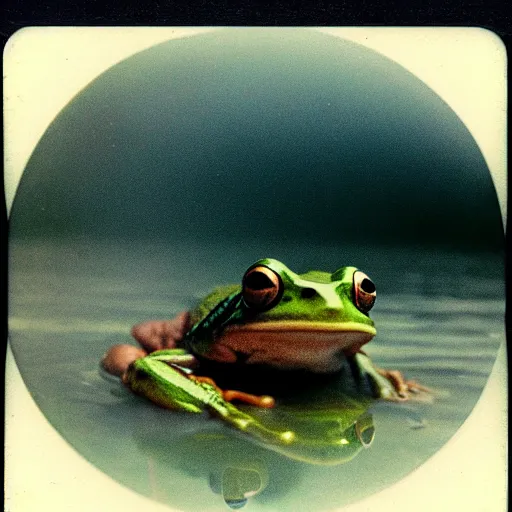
point(45, 67)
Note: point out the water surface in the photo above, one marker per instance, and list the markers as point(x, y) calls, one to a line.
point(439, 316)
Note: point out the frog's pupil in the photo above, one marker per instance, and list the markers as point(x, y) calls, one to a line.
point(308, 293)
point(367, 286)
point(258, 281)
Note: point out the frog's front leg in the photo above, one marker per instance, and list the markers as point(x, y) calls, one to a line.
point(389, 385)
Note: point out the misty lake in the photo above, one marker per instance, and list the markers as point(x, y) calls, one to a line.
point(439, 318)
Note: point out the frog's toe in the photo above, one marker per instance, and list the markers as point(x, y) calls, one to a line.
point(416, 387)
point(403, 390)
point(205, 380)
point(119, 357)
point(265, 401)
point(390, 394)
point(230, 395)
point(397, 380)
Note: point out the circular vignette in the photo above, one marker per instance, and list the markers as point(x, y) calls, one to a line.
point(81, 226)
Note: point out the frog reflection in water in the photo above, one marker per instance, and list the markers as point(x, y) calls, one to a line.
point(309, 324)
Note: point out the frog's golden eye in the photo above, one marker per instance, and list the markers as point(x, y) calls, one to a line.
point(261, 288)
point(364, 292)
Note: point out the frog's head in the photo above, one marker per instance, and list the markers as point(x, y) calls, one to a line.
point(309, 320)
point(314, 300)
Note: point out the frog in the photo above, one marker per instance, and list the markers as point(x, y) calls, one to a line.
point(316, 322)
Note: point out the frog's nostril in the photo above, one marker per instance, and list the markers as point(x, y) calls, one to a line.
point(308, 293)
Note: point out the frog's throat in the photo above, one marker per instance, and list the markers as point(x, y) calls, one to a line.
point(314, 346)
point(305, 326)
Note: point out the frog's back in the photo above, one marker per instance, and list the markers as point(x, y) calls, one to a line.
point(211, 300)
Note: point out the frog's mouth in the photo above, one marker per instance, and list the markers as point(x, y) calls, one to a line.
point(316, 346)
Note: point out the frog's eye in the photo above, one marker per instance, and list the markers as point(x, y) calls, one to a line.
point(364, 292)
point(261, 288)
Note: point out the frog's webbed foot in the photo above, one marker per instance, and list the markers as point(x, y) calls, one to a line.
point(415, 387)
point(397, 380)
point(230, 395)
point(403, 387)
point(161, 334)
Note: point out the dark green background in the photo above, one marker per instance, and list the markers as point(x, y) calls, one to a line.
point(259, 134)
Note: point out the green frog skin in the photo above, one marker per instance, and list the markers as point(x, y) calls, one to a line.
point(312, 323)
point(315, 322)
point(285, 320)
